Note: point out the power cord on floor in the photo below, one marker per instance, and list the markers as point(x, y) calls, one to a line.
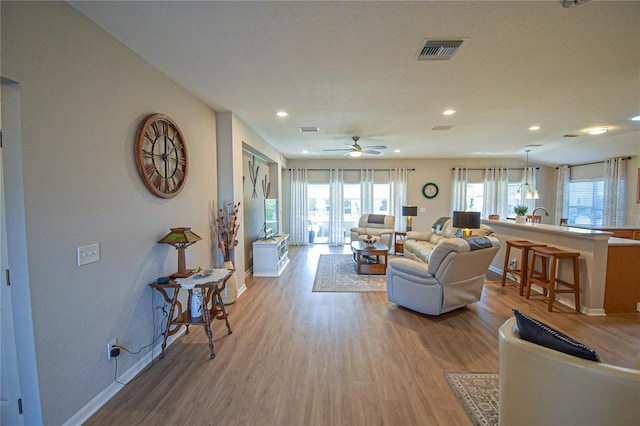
point(155, 338)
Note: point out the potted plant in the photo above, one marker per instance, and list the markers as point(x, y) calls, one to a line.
point(520, 210)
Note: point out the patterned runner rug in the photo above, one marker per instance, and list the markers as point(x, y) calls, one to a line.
point(337, 273)
point(478, 394)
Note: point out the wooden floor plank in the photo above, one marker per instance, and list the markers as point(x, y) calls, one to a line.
point(303, 358)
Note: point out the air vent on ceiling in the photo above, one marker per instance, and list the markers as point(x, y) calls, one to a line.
point(309, 129)
point(439, 50)
point(441, 127)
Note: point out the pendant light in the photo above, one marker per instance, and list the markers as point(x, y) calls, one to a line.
point(529, 195)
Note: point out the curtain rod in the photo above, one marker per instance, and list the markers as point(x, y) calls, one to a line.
point(510, 168)
point(354, 170)
point(595, 162)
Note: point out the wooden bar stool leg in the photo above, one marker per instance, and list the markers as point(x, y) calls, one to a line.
point(507, 253)
point(523, 268)
point(552, 283)
point(576, 281)
point(530, 274)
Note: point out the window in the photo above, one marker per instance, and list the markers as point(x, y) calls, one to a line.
point(381, 193)
point(475, 196)
point(586, 202)
point(318, 200)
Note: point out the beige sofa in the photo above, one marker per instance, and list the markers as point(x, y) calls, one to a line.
point(453, 277)
point(542, 386)
point(419, 245)
point(379, 226)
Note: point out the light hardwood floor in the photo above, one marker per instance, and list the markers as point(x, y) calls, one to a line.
point(302, 358)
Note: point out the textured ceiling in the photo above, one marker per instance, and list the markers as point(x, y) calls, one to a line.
point(350, 68)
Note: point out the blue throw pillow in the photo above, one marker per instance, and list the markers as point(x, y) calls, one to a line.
point(539, 333)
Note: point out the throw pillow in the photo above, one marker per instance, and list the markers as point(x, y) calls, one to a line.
point(539, 333)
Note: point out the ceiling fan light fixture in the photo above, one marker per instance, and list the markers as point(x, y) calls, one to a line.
point(355, 154)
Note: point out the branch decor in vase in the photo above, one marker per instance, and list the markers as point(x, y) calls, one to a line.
point(227, 226)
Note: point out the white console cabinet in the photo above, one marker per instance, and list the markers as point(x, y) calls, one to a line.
point(270, 256)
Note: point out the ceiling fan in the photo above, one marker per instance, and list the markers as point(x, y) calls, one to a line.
point(356, 150)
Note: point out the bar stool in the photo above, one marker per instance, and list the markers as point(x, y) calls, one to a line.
point(547, 279)
point(524, 246)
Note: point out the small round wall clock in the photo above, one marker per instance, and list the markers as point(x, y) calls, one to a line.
point(161, 156)
point(430, 190)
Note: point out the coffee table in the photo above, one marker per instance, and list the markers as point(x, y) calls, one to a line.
point(370, 259)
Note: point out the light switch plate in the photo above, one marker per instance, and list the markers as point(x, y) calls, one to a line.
point(88, 254)
point(423, 209)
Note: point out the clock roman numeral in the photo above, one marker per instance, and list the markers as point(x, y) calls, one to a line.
point(150, 170)
point(154, 125)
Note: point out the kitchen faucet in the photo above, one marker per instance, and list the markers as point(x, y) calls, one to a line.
point(546, 213)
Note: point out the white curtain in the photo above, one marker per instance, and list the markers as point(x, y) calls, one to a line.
point(299, 234)
point(615, 189)
point(366, 191)
point(529, 176)
point(496, 192)
point(562, 193)
point(459, 189)
point(336, 203)
point(398, 184)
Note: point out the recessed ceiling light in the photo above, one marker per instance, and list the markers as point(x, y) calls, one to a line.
point(635, 118)
point(449, 112)
point(397, 150)
point(305, 151)
point(282, 113)
point(534, 128)
point(597, 130)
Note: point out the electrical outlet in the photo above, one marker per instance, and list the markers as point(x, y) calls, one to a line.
point(112, 344)
point(513, 263)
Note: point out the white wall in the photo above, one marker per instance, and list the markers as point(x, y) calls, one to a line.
point(83, 95)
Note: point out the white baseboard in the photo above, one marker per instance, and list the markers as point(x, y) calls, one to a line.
point(110, 391)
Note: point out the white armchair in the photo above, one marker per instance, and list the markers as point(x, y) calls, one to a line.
point(452, 278)
point(542, 386)
point(379, 226)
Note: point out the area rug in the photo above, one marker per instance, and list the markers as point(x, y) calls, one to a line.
point(478, 394)
point(337, 273)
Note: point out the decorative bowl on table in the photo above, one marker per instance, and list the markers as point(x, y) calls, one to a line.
point(369, 241)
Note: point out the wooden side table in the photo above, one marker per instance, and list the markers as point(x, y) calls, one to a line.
point(399, 243)
point(212, 308)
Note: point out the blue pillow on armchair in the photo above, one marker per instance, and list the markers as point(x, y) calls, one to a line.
point(539, 333)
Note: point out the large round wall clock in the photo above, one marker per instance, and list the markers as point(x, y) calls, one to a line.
point(161, 156)
point(430, 190)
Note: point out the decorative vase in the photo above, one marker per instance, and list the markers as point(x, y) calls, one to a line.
point(230, 292)
point(519, 219)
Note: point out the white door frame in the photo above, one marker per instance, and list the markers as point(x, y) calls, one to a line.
point(16, 299)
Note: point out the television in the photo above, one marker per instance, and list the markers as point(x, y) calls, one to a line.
point(271, 216)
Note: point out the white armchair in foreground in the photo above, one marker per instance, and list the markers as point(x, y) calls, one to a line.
point(542, 386)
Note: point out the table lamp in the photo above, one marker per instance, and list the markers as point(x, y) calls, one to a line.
point(466, 221)
point(409, 211)
point(180, 238)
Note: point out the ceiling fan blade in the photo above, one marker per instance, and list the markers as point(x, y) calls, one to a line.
point(338, 149)
point(375, 147)
point(370, 151)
